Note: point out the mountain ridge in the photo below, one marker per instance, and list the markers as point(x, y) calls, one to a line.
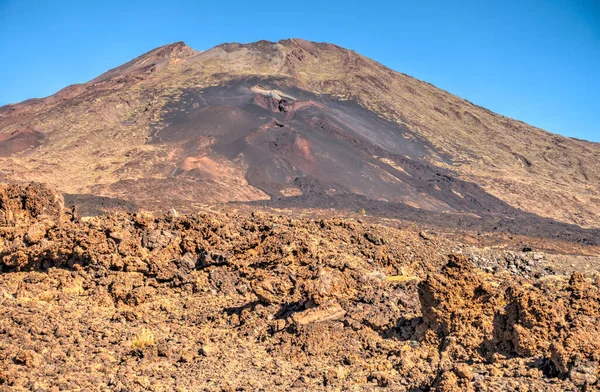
point(183, 45)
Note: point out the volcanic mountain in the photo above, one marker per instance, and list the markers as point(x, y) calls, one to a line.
point(295, 124)
point(308, 292)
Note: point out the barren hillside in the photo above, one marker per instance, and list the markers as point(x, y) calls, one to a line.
point(289, 123)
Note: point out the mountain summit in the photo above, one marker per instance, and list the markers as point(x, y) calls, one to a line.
point(293, 123)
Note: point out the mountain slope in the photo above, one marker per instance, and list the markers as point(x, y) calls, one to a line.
point(292, 122)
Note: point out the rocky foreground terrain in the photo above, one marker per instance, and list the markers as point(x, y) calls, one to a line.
point(222, 302)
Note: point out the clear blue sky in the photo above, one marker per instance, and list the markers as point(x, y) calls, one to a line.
point(534, 60)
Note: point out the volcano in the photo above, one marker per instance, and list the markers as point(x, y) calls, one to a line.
point(295, 124)
point(291, 216)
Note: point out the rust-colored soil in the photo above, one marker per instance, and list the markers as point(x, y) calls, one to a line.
point(264, 302)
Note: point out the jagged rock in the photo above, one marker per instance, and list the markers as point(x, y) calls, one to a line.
point(207, 259)
point(323, 313)
point(28, 358)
